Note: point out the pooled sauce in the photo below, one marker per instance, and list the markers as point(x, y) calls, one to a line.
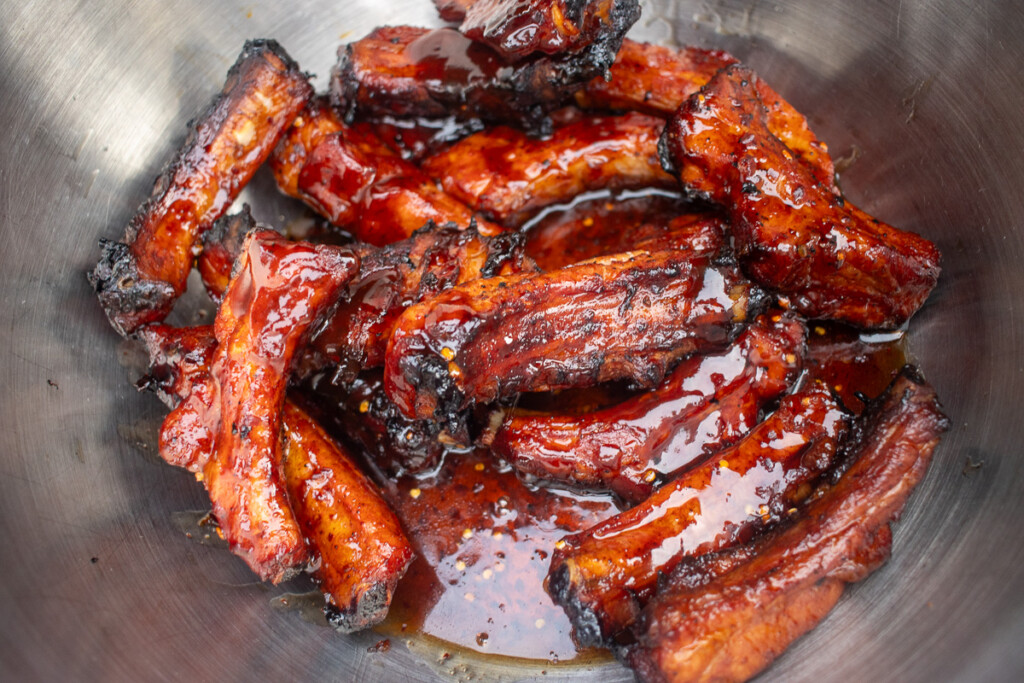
point(484, 540)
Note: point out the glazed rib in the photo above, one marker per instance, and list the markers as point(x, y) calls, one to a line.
point(278, 295)
point(653, 79)
point(791, 233)
point(727, 617)
point(331, 498)
point(598, 227)
point(221, 246)
point(180, 374)
point(407, 71)
point(507, 174)
point(138, 280)
point(359, 410)
point(656, 80)
point(605, 575)
point(358, 540)
point(347, 174)
point(705, 404)
point(280, 291)
point(402, 274)
point(518, 28)
point(630, 315)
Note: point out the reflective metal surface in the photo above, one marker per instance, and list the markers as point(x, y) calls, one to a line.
point(923, 99)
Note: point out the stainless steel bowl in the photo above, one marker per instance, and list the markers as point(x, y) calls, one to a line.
point(922, 98)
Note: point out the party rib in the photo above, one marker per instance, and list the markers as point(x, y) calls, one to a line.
point(280, 291)
point(507, 174)
point(791, 232)
point(139, 279)
point(707, 403)
point(360, 550)
point(517, 29)
point(222, 244)
point(331, 498)
point(605, 575)
point(352, 178)
point(656, 80)
point(726, 617)
point(627, 316)
point(400, 275)
point(589, 228)
point(409, 72)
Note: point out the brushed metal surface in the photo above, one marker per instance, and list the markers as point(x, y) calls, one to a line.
point(98, 583)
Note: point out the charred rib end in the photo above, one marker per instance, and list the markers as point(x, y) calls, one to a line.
point(585, 623)
point(365, 610)
point(129, 300)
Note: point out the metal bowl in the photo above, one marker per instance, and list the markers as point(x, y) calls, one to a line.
point(921, 99)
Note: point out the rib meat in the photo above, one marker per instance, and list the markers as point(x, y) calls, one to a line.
point(507, 174)
point(407, 71)
point(399, 275)
point(517, 28)
point(601, 226)
point(630, 315)
point(415, 139)
point(605, 575)
point(656, 80)
point(359, 547)
point(331, 498)
point(705, 404)
point(792, 233)
point(180, 362)
point(652, 78)
point(726, 617)
point(351, 177)
point(360, 412)
point(138, 280)
point(221, 246)
point(280, 291)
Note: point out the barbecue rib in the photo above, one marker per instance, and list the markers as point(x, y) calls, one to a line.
point(138, 280)
point(407, 71)
point(705, 404)
point(507, 174)
point(605, 575)
point(792, 233)
point(360, 550)
point(360, 411)
point(518, 28)
point(656, 80)
point(221, 246)
point(331, 498)
point(279, 292)
point(630, 315)
point(402, 274)
point(589, 228)
point(726, 617)
point(347, 174)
